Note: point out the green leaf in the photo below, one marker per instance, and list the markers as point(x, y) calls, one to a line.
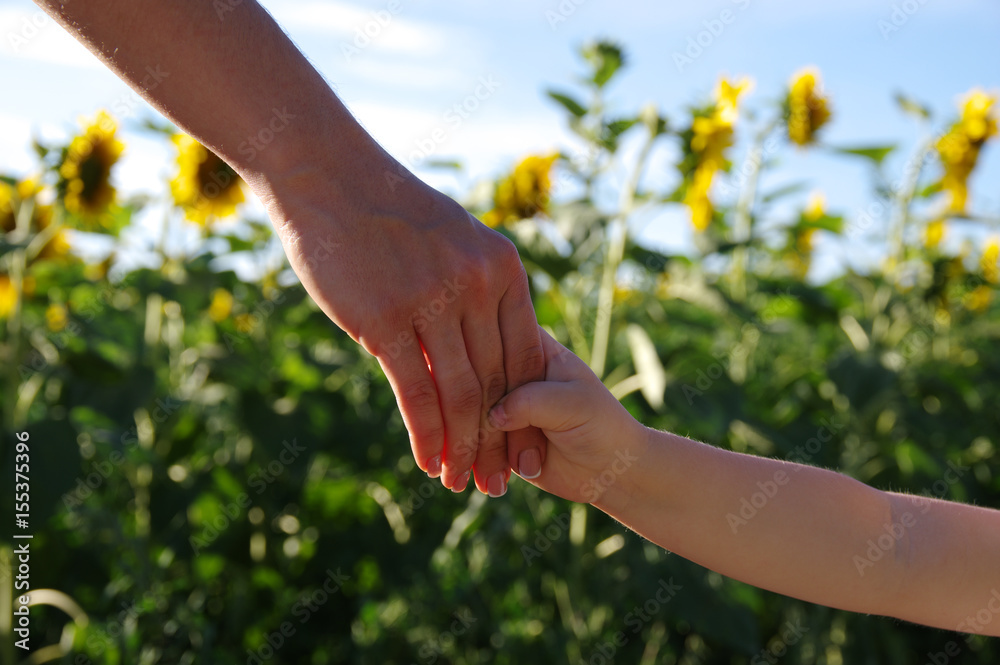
point(451, 164)
point(649, 367)
point(826, 222)
point(930, 190)
point(911, 106)
point(613, 129)
point(606, 58)
point(568, 103)
point(164, 128)
point(95, 368)
point(111, 221)
point(875, 153)
point(784, 191)
point(208, 566)
point(237, 244)
point(618, 127)
point(40, 149)
point(651, 260)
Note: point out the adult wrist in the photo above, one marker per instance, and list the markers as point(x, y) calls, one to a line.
point(332, 163)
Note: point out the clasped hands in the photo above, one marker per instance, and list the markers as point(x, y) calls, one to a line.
point(441, 301)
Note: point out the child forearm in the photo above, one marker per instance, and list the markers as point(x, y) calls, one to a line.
point(808, 532)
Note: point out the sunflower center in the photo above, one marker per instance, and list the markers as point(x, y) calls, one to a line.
point(215, 176)
point(95, 171)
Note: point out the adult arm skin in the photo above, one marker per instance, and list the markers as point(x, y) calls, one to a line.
point(401, 268)
point(798, 530)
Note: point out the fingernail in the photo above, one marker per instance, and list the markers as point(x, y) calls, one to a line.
point(434, 466)
point(498, 417)
point(460, 484)
point(529, 463)
point(497, 485)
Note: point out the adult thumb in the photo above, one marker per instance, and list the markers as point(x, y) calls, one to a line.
point(548, 405)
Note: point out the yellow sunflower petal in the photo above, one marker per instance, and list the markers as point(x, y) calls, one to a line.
point(934, 233)
point(808, 108)
point(56, 317)
point(85, 173)
point(8, 296)
point(988, 261)
point(205, 187)
point(222, 305)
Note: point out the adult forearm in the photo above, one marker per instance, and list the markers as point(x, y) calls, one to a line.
point(232, 79)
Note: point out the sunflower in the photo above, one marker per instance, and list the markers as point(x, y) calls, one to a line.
point(710, 134)
point(696, 197)
point(12, 198)
point(934, 233)
point(222, 305)
point(8, 218)
point(988, 261)
point(808, 109)
point(524, 193)
point(58, 245)
point(8, 296)
point(205, 188)
point(727, 96)
point(979, 298)
point(799, 253)
point(959, 147)
point(85, 171)
point(56, 317)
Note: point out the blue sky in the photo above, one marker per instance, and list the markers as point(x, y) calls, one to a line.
point(434, 54)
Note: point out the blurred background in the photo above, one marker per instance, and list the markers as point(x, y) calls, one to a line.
point(771, 227)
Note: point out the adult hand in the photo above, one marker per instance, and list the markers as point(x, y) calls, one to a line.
point(403, 269)
point(440, 299)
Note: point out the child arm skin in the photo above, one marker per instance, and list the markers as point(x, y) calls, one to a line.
point(932, 562)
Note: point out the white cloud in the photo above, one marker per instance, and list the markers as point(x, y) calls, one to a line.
point(35, 36)
point(354, 27)
point(483, 144)
point(15, 149)
point(395, 74)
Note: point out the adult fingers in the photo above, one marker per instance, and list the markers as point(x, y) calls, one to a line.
point(461, 400)
point(524, 361)
point(485, 349)
point(417, 395)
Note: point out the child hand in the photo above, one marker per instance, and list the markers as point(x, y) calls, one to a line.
point(594, 441)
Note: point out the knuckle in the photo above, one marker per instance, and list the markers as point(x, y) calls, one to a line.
point(494, 387)
point(475, 270)
point(464, 449)
point(422, 433)
point(419, 395)
point(467, 397)
point(529, 364)
point(507, 251)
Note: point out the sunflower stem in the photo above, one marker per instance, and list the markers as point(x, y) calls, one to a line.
point(18, 265)
point(743, 222)
point(903, 199)
point(618, 232)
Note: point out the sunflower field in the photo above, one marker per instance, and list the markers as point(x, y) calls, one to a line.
point(220, 475)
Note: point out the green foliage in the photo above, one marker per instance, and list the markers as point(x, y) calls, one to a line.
point(220, 475)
